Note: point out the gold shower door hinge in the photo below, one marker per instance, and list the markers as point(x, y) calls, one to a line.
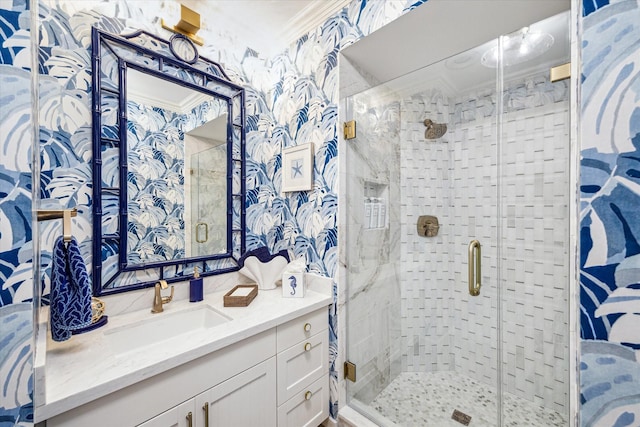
point(350, 129)
point(350, 371)
point(560, 72)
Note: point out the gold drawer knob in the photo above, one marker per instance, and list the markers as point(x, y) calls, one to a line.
point(307, 346)
point(308, 395)
point(307, 327)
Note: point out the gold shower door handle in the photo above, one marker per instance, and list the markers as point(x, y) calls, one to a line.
point(475, 268)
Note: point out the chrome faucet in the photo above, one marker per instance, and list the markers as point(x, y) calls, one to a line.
point(158, 299)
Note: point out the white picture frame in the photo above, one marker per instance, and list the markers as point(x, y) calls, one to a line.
point(297, 168)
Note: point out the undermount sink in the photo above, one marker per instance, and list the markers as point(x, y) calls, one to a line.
point(162, 327)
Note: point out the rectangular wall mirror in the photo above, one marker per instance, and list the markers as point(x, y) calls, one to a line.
point(168, 163)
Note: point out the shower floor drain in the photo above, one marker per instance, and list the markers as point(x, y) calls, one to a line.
point(461, 417)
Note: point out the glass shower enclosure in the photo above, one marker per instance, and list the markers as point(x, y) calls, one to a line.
point(457, 238)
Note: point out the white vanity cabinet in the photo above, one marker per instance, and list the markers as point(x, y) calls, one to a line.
point(246, 399)
point(303, 370)
point(279, 377)
point(180, 416)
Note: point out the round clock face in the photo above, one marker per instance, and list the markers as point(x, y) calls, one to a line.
point(183, 49)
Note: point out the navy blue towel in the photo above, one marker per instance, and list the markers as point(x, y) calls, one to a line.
point(70, 291)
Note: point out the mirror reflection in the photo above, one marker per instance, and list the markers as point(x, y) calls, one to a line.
point(177, 174)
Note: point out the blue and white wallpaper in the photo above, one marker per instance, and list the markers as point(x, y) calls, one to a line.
point(155, 184)
point(156, 206)
point(291, 99)
point(16, 244)
point(610, 214)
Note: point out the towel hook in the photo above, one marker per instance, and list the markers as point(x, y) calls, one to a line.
point(66, 226)
point(46, 215)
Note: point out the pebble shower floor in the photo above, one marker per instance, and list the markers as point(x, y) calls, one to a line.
point(417, 399)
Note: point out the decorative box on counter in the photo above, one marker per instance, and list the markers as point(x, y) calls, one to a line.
point(240, 295)
point(293, 285)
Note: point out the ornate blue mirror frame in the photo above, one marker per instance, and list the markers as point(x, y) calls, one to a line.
point(112, 56)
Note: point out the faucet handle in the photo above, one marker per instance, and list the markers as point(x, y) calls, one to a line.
point(158, 299)
point(166, 300)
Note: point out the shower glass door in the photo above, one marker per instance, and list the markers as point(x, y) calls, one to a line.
point(535, 252)
point(484, 149)
point(424, 347)
point(208, 200)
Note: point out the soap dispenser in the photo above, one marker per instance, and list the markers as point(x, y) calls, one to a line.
point(195, 286)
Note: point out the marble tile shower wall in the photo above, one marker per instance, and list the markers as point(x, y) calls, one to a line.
point(425, 262)
point(454, 178)
point(535, 255)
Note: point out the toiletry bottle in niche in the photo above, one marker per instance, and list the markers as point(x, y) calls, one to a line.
point(367, 213)
point(382, 214)
point(195, 286)
point(375, 212)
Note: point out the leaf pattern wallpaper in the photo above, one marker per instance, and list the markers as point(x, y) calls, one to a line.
point(610, 215)
point(16, 233)
point(156, 179)
point(155, 184)
point(292, 99)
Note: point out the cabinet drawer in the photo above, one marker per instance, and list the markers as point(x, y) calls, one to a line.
point(302, 328)
point(308, 407)
point(302, 364)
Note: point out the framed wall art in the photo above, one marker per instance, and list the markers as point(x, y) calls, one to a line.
point(297, 168)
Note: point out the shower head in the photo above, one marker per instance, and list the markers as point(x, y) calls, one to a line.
point(434, 130)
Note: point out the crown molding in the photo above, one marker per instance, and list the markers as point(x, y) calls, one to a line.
point(310, 18)
point(155, 99)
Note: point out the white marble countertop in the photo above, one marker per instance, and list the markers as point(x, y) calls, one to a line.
point(86, 367)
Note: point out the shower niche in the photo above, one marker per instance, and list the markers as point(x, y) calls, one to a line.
point(376, 206)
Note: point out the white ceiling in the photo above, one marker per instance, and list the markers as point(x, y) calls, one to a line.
point(267, 26)
point(213, 131)
point(453, 34)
